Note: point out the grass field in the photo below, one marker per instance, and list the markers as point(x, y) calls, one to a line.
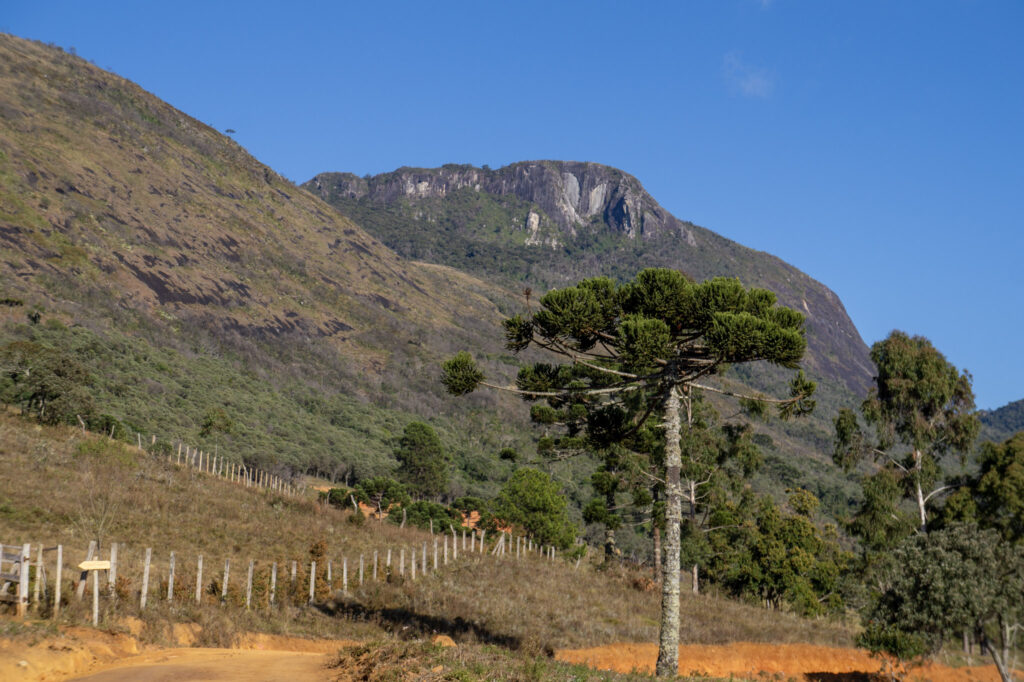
point(68, 487)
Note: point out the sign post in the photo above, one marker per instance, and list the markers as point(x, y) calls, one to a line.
point(95, 566)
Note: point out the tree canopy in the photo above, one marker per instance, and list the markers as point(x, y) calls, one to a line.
point(950, 579)
point(535, 503)
point(921, 408)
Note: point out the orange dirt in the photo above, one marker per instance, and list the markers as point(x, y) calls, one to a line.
point(78, 651)
point(750, 660)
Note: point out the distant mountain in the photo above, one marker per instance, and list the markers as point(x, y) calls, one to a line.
point(548, 223)
point(999, 424)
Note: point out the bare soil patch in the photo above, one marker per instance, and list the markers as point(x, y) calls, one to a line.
point(758, 660)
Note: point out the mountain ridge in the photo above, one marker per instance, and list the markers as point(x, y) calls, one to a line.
point(567, 205)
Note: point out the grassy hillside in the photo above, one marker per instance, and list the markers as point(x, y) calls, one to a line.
point(188, 277)
point(66, 480)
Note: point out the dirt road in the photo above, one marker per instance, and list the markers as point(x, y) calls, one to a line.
point(217, 665)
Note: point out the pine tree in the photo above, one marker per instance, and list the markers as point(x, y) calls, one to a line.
point(423, 463)
point(644, 347)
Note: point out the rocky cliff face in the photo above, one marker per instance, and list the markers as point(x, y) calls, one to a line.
point(594, 220)
point(571, 194)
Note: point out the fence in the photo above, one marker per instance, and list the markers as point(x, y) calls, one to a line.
point(143, 577)
point(220, 467)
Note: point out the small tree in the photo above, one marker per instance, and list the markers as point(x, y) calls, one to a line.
point(46, 382)
point(380, 493)
point(940, 583)
point(423, 463)
point(921, 408)
point(535, 503)
point(648, 343)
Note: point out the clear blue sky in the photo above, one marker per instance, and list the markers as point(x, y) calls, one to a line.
point(878, 146)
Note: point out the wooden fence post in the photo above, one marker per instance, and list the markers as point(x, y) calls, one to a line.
point(401, 561)
point(435, 553)
point(329, 575)
point(248, 586)
point(224, 585)
point(112, 573)
point(56, 585)
point(95, 598)
point(145, 579)
point(80, 591)
point(472, 542)
point(446, 549)
point(375, 565)
point(199, 579)
point(483, 534)
point(312, 581)
point(273, 581)
point(24, 565)
point(360, 570)
point(413, 563)
point(344, 574)
point(170, 580)
point(423, 563)
point(39, 579)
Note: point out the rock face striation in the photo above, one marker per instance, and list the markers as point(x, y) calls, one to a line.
point(548, 223)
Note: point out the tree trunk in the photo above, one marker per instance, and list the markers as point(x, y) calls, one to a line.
point(695, 572)
point(918, 468)
point(668, 641)
point(609, 544)
point(657, 553)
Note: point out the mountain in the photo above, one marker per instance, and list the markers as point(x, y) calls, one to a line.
point(189, 277)
point(999, 424)
point(200, 296)
point(549, 223)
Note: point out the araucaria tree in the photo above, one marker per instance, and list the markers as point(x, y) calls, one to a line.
point(922, 408)
point(648, 342)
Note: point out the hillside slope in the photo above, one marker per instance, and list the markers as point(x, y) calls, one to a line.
point(548, 223)
point(191, 282)
point(149, 230)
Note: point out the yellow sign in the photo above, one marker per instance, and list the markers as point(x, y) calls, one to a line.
point(94, 565)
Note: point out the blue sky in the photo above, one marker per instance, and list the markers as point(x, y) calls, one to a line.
point(878, 146)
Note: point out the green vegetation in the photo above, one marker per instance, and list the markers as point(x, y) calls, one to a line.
point(423, 463)
point(948, 582)
point(479, 600)
point(921, 405)
point(530, 500)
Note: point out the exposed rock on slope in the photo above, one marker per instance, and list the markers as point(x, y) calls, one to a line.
point(116, 206)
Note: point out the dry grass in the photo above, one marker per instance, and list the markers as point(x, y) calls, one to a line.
point(404, 660)
point(530, 604)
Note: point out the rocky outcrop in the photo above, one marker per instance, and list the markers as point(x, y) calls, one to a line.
point(570, 193)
